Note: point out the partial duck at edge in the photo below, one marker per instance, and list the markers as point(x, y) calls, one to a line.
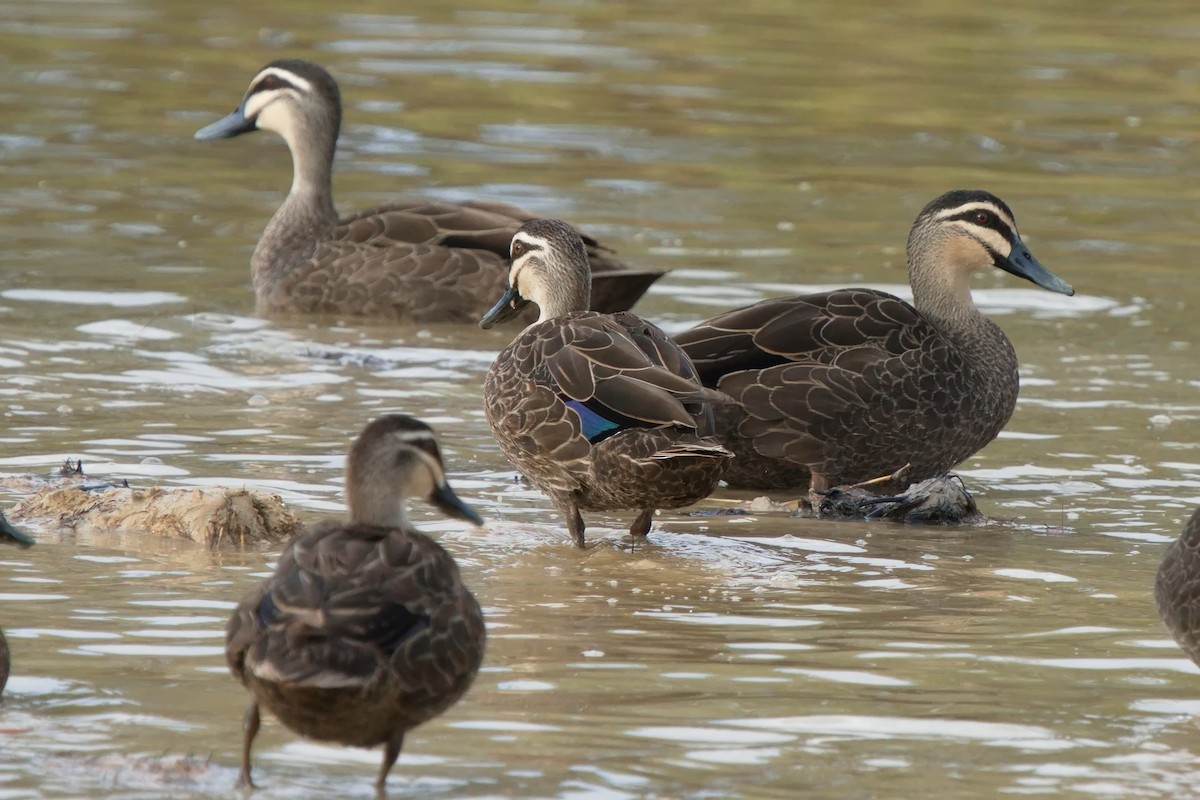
point(420, 261)
point(844, 386)
point(1177, 588)
point(9, 535)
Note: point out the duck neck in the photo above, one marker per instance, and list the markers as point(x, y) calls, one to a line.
point(375, 503)
point(307, 214)
point(311, 197)
point(560, 299)
point(943, 297)
point(939, 286)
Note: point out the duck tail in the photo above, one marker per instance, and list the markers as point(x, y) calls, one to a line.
point(699, 449)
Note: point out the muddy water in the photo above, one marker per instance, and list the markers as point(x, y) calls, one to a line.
point(756, 149)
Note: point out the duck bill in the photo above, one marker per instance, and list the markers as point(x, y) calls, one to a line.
point(507, 307)
point(1020, 262)
point(449, 504)
point(226, 128)
point(11, 535)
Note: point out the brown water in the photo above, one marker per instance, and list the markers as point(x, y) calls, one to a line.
point(756, 148)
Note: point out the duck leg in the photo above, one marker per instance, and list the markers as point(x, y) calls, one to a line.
point(898, 475)
point(818, 485)
point(641, 525)
point(391, 751)
point(570, 511)
point(250, 724)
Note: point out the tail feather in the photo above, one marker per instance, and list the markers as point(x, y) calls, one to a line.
point(691, 450)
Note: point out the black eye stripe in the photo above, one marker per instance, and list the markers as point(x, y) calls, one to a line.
point(994, 221)
point(525, 247)
point(271, 83)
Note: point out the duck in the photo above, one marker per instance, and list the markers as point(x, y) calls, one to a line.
point(366, 629)
point(9, 535)
point(602, 412)
point(411, 260)
point(846, 386)
point(1177, 588)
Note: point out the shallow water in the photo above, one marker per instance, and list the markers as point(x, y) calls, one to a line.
point(757, 149)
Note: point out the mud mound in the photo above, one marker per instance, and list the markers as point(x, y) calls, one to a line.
point(216, 517)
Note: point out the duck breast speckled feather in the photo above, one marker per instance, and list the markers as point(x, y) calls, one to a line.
point(9, 535)
point(422, 261)
point(1177, 588)
point(602, 412)
point(366, 629)
point(848, 385)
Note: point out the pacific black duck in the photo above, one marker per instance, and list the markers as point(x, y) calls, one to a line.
point(423, 261)
point(9, 535)
point(602, 412)
point(1177, 588)
point(366, 629)
point(843, 386)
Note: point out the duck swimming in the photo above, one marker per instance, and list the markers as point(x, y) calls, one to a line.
point(844, 386)
point(9, 535)
point(366, 629)
point(602, 412)
point(420, 261)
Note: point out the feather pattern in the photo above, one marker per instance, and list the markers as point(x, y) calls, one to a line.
point(366, 629)
point(603, 412)
point(843, 386)
point(415, 260)
point(1177, 588)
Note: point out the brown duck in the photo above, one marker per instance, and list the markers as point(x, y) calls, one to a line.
point(602, 412)
point(1177, 588)
point(9, 535)
point(422, 261)
point(844, 386)
point(366, 629)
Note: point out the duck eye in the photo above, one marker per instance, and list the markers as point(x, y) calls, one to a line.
point(270, 82)
point(518, 249)
point(982, 217)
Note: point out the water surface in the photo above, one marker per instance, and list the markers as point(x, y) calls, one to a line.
point(756, 149)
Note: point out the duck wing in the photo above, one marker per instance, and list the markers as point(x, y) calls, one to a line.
point(817, 328)
point(488, 228)
point(343, 602)
point(421, 282)
point(810, 369)
point(475, 225)
point(619, 371)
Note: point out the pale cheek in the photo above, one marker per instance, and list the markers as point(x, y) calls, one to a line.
point(967, 254)
point(275, 117)
point(420, 486)
point(527, 288)
point(536, 295)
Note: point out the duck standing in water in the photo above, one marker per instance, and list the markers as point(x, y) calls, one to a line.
point(840, 387)
point(9, 535)
point(421, 261)
point(366, 629)
point(602, 412)
point(1177, 588)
